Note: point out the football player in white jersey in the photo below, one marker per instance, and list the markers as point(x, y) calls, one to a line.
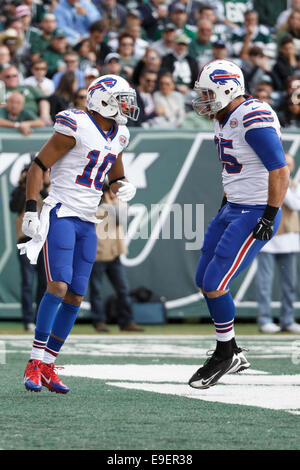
point(255, 180)
point(83, 149)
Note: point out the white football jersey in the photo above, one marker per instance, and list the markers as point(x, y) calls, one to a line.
point(77, 178)
point(244, 176)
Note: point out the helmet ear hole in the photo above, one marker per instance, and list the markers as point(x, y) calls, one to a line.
point(228, 91)
point(103, 103)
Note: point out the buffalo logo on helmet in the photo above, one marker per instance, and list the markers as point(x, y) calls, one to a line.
point(221, 77)
point(102, 84)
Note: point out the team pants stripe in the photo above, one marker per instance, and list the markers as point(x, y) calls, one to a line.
point(46, 261)
point(237, 262)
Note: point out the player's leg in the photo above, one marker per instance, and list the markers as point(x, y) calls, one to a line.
point(84, 257)
point(287, 263)
point(264, 281)
point(58, 257)
point(234, 252)
point(212, 237)
point(96, 297)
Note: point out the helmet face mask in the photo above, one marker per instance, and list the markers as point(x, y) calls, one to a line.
point(112, 97)
point(218, 83)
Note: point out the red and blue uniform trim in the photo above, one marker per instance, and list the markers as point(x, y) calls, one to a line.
point(257, 116)
point(66, 121)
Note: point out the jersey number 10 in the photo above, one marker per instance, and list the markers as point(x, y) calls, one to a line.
point(86, 180)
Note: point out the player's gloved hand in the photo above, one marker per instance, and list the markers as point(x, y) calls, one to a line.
point(126, 192)
point(263, 230)
point(31, 222)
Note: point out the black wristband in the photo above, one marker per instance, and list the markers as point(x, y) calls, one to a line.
point(31, 205)
point(117, 179)
point(270, 212)
point(40, 164)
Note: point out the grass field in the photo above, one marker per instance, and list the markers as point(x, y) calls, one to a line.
point(130, 392)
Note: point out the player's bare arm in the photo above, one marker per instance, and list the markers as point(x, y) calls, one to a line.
point(278, 185)
point(56, 147)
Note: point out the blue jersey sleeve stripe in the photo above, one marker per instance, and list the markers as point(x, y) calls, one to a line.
point(72, 121)
point(65, 123)
point(261, 119)
point(256, 113)
point(267, 145)
point(60, 118)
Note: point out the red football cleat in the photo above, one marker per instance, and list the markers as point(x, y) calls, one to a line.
point(51, 380)
point(32, 376)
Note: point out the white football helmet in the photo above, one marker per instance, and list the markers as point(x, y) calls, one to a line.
point(219, 82)
point(112, 97)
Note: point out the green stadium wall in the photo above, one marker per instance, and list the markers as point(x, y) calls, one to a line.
point(168, 167)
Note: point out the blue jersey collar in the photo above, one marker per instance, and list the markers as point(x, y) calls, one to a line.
point(110, 134)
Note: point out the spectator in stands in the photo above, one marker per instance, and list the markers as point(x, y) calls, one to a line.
point(219, 50)
point(292, 27)
point(38, 78)
point(200, 48)
point(286, 63)
point(164, 45)
point(35, 101)
point(249, 34)
point(54, 54)
point(269, 11)
point(178, 16)
point(41, 36)
point(27, 270)
point(110, 247)
point(127, 58)
point(113, 13)
point(283, 17)
point(112, 64)
point(90, 75)
point(192, 120)
point(281, 250)
point(13, 115)
point(13, 41)
point(255, 67)
point(71, 60)
point(151, 60)
point(182, 66)
point(169, 104)
point(97, 32)
point(220, 30)
point(63, 97)
point(80, 101)
point(262, 94)
point(135, 30)
point(75, 17)
point(154, 14)
point(4, 57)
point(87, 58)
point(289, 115)
point(145, 90)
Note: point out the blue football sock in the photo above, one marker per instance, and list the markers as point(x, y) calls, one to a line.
point(45, 319)
point(222, 311)
point(63, 324)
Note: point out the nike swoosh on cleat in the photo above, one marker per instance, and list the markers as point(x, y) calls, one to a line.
point(208, 381)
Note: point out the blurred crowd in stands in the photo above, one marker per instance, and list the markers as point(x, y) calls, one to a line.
point(51, 50)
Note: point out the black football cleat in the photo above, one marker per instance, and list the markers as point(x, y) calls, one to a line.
point(213, 369)
point(245, 364)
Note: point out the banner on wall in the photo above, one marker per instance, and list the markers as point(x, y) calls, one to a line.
point(178, 180)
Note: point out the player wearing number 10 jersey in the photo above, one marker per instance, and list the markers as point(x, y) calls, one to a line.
point(255, 180)
point(83, 149)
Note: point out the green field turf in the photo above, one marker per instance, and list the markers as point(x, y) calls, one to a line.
point(130, 392)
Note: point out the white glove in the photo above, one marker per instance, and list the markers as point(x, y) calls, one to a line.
point(126, 192)
point(31, 224)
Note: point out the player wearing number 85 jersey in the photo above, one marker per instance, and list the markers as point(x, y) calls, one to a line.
point(83, 149)
point(255, 180)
